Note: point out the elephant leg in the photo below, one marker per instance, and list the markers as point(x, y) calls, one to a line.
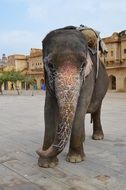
point(97, 127)
point(76, 152)
point(51, 119)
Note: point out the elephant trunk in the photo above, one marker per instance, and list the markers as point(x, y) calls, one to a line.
point(67, 88)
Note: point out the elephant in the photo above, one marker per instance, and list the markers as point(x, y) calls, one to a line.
point(72, 91)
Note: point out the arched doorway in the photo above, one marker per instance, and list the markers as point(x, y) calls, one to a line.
point(112, 82)
point(42, 82)
point(125, 84)
point(27, 86)
point(23, 86)
point(6, 85)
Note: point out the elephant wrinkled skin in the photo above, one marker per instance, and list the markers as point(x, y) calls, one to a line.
point(72, 90)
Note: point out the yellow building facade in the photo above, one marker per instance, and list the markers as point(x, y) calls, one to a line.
point(115, 61)
point(30, 65)
point(35, 66)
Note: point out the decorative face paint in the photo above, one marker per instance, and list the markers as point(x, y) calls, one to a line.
point(67, 84)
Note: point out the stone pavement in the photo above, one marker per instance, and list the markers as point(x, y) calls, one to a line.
point(21, 133)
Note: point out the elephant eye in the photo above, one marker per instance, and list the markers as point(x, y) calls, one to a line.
point(50, 65)
point(48, 62)
point(82, 59)
point(82, 67)
point(82, 63)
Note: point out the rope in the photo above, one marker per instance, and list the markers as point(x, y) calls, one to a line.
point(98, 39)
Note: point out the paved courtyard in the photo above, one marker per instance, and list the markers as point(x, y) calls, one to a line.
point(21, 133)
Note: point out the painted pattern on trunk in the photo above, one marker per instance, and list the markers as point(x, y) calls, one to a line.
point(67, 84)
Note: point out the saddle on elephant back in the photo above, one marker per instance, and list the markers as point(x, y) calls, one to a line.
point(93, 38)
point(95, 43)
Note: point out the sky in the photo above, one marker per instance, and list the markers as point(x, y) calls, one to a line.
point(24, 23)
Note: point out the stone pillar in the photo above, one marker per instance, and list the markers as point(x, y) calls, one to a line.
point(19, 85)
point(125, 83)
point(9, 85)
point(120, 84)
point(39, 84)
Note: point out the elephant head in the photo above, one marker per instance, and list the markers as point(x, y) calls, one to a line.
point(66, 63)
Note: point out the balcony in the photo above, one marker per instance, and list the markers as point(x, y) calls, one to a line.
point(116, 64)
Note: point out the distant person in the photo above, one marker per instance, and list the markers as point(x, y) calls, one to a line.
point(43, 87)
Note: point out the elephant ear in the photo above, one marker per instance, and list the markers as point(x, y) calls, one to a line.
point(88, 67)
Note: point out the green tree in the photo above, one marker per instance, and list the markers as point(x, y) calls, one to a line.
point(1, 83)
point(14, 76)
point(29, 80)
point(3, 79)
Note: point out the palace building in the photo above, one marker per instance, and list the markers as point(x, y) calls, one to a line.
point(30, 65)
point(115, 60)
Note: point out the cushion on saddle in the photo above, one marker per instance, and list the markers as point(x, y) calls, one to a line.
point(91, 37)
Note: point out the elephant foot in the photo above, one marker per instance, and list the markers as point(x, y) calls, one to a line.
point(75, 157)
point(98, 135)
point(47, 162)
